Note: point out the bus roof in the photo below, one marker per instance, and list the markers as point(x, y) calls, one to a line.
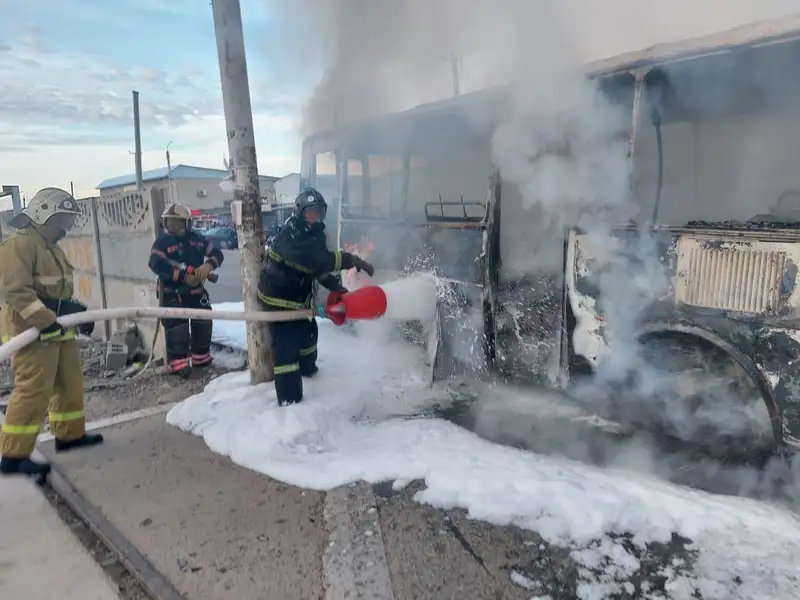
point(760, 33)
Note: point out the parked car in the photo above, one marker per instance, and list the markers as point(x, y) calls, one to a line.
point(224, 237)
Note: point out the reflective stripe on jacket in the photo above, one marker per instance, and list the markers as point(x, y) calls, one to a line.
point(31, 269)
point(298, 258)
point(169, 252)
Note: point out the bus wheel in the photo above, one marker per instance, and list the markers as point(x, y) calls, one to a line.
point(692, 391)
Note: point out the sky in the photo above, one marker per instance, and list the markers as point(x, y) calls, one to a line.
point(66, 76)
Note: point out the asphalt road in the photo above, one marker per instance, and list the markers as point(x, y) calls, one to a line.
point(229, 286)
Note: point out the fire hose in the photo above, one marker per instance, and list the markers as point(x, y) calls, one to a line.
point(365, 303)
point(151, 312)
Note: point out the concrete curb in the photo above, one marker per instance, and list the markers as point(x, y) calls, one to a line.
point(139, 566)
point(40, 556)
point(117, 420)
point(355, 565)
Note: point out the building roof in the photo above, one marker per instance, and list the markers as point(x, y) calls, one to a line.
point(178, 172)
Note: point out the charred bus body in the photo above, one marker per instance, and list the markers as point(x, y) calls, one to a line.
point(412, 196)
point(712, 343)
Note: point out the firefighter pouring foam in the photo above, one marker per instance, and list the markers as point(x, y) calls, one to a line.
point(36, 280)
point(183, 260)
point(297, 258)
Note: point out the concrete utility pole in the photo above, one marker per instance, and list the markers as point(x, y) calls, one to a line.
point(13, 191)
point(137, 132)
point(169, 177)
point(242, 151)
point(455, 61)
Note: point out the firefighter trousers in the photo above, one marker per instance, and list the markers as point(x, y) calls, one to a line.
point(47, 377)
point(294, 352)
point(187, 340)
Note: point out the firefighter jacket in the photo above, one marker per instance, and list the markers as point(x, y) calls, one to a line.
point(171, 256)
point(34, 276)
point(297, 258)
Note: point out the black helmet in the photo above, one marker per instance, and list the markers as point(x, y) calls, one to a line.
point(308, 198)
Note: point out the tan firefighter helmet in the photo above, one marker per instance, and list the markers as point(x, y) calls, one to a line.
point(177, 211)
point(46, 203)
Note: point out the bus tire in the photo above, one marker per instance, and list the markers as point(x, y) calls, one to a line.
point(694, 391)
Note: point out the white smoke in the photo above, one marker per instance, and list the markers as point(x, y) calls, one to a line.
point(376, 57)
point(559, 141)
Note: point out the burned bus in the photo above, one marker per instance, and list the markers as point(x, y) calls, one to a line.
point(706, 339)
point(411, 196)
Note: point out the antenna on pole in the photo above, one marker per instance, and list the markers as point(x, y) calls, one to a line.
point(455, 61)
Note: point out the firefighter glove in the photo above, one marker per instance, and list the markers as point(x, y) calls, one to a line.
point(337, 318)
point(192, 279)
point(86, 329)
point(64, 306)
point(51, 331)
point(334, 285)
point(203, 271)
point(361, 265)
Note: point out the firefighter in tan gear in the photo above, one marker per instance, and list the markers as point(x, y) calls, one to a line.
point(37, 287)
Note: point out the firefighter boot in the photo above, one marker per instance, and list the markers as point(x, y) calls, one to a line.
point(85, 441)
point(309, 334)
point(201, 343)
point(286, 339)
point(24, 466)
point(176, 333)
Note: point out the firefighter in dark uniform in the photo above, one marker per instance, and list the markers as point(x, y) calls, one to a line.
point(297, 257)
point(183, 259)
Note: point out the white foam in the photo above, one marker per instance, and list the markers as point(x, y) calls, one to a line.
point(340, 433)
point(411, 298)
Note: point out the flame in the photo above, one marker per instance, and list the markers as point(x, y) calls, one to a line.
point(363, 248)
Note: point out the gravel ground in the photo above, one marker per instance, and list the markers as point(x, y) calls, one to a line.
point(108, 394)
point(518, 563)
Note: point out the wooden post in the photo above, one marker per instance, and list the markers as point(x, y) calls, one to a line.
point(242, 150)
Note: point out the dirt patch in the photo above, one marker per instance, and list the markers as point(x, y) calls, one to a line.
point(127, 585)
point(111, 393)
point(155, 387)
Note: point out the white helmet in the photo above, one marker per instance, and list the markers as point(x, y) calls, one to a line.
point(46, 203)
point(177, 211)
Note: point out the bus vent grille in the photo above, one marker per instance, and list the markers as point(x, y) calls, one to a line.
point(734, 278)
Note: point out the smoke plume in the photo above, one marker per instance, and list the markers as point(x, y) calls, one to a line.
point(559, 142)
point(375, 57)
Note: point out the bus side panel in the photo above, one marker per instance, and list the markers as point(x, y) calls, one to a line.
point(528, 298)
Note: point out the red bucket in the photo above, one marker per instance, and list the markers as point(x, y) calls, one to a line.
point(366, 303)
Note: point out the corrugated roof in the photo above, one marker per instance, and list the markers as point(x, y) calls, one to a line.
point(178, 172)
